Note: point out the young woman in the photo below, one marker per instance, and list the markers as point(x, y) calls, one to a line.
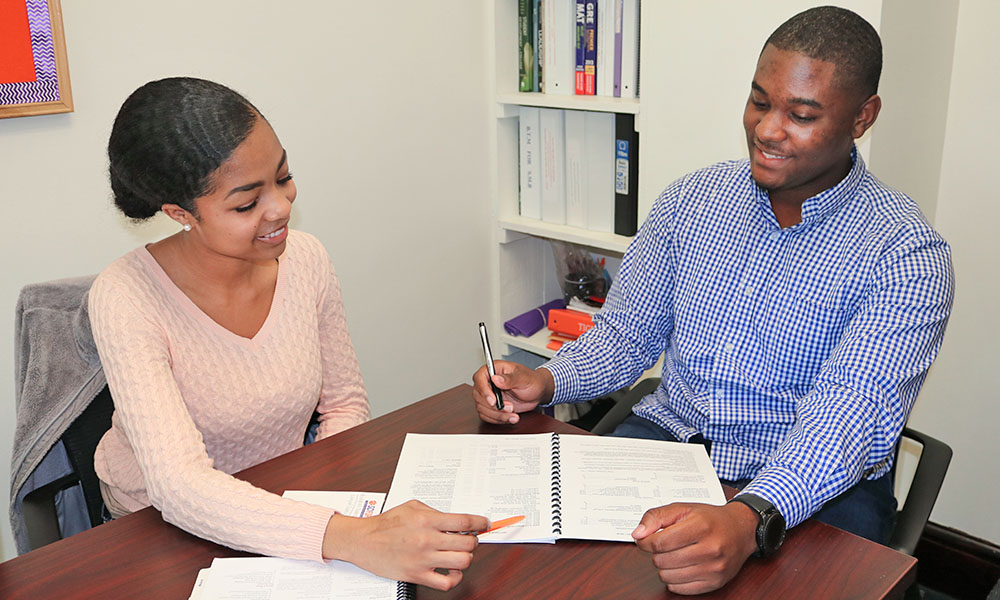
point(219, 342)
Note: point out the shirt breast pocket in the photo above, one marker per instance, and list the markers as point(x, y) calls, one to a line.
point(798, 333)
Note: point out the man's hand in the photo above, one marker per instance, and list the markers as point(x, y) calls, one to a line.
point(523, 389)
point(412, 542)
point(698, 548)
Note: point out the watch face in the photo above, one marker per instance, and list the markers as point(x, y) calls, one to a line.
point(773, 533)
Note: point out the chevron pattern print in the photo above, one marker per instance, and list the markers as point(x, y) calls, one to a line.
point(45, 88)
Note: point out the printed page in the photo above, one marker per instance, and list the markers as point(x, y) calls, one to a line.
point(608, 483)
point(353, 504)
point(283, 579)
point(262, 578)
point(497, 476)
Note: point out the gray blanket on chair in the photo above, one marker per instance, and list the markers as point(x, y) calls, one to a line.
point(57, 374)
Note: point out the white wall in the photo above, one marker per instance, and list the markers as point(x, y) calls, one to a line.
point(384, 110)
point(918, 41)
point(960, 402)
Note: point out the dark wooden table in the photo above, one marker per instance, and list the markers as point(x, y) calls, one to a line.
point(141, 556)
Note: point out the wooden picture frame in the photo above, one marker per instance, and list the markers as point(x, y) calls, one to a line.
point(48, 91)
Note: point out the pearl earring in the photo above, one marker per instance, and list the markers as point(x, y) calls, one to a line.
point(187, 227)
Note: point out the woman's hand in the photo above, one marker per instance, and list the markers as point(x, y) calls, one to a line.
point(411, 542)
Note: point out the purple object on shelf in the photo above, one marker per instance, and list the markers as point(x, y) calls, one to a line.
point(532, 321)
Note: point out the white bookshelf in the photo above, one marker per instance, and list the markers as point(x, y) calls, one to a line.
point(526, 275)
point(536, 344)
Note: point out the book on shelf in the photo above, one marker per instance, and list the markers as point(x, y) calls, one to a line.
point(600, 171)
point(630, 49)
point(605, 48)
point(590, 48)
point(626, 175)
point(582, 47)
point(267, 578)
point(558, 24)
point(576, 168)
point(536, 12)
point(552, 143)
point(526, 45)
point(616, 80)
point(528, 163)
point(568, 179)
point(579, 40)
point(567, 486)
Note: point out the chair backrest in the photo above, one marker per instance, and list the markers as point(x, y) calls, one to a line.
point(623, 407)
point(932, 466)
point(41, 516)
point(81, 439)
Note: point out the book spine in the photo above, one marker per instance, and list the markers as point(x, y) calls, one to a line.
point(617, 80)
point(557, 19)
point(590, 49)
point(556, 482)
point(576, 169)
point(552, 143)
point(626, 175)
point(536, 20)
point(605, 47)
point(630, 49)
point(527, 141)
point(525, 48)
point(579, 36)
point(600, 169)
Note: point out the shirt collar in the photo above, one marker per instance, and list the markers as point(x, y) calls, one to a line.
point(828, 201)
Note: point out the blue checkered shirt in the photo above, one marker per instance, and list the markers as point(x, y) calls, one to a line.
point(797, 352)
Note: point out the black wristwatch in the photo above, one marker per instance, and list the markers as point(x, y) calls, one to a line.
point(771, 529)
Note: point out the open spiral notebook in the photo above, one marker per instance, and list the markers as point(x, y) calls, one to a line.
point(568, 486)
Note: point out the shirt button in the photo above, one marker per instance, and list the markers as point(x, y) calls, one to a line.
point(774, 235)
point(730, 347)
point(748, 290)
point(720, 395)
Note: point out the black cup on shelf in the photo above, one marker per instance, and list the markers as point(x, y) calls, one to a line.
point(582, 286)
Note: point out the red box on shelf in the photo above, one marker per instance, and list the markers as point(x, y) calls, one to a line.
point(572, 323)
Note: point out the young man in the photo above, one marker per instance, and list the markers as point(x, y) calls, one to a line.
point(799, 301)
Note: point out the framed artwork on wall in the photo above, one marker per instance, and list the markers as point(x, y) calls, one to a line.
point(34, 74)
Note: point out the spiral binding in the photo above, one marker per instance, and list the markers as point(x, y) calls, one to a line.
point(405, 591)
point(556, 487)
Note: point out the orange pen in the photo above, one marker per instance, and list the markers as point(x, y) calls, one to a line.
point(502, 523)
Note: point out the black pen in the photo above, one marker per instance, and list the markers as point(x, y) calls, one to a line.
point(489, 365)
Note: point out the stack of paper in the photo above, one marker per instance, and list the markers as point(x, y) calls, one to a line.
point(265, 578)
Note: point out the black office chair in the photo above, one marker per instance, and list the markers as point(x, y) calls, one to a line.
point(623, 408)
point(80, 440)
point(932, 466)
point(911, 518)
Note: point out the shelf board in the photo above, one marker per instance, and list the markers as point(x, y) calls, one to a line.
point(584, 237)
point(594, 103)
point(534, 344)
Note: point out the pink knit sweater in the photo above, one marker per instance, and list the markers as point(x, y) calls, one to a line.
point(195, 402)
